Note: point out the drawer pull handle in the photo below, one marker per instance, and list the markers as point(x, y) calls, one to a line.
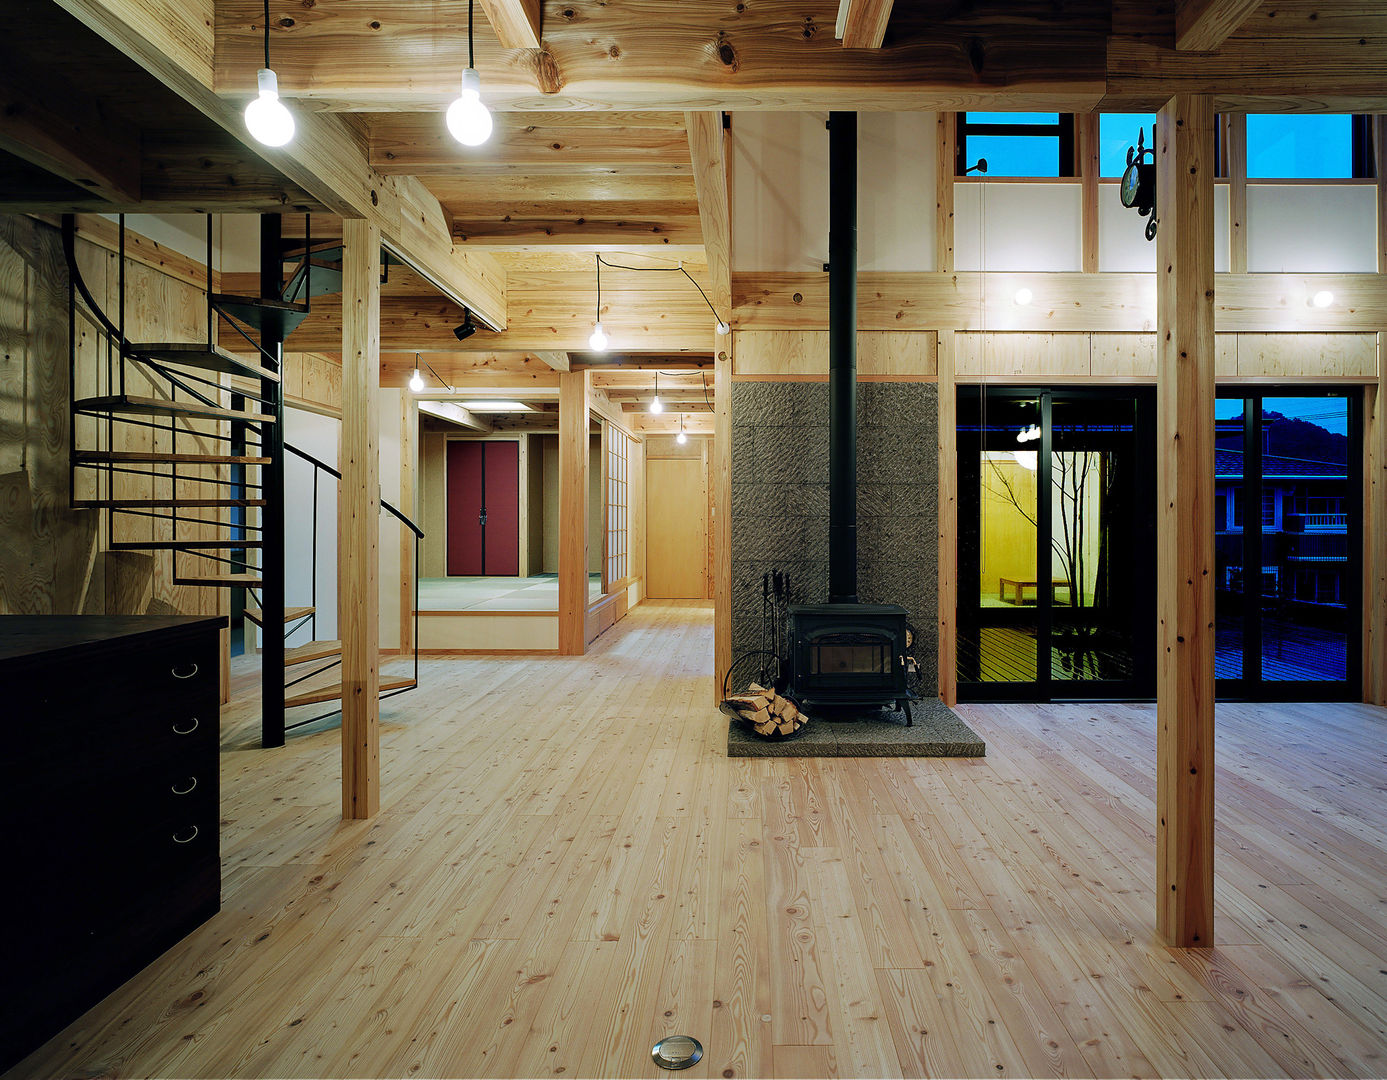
point(192, 783)
point(190, 674)
point(180, 839)
point(184, 731)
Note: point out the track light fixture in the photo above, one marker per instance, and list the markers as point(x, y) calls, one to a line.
point(268, 121)
point(467, 329)
point(468, 119)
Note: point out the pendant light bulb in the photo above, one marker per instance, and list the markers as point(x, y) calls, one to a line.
point(416, 382)
point(655, 404)
point(468, 119)
point(268, 121)
point(681, 438)
point(598, 341)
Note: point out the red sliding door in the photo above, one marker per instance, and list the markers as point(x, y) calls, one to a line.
point(483, 508)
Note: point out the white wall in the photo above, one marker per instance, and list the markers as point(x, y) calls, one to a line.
point(319, 436)
point(780, 191)
point(1008, 227)
point(388, 574)
point(1312, 228)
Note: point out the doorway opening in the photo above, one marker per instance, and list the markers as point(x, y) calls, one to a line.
point(1056, 544)
point(1287, 509)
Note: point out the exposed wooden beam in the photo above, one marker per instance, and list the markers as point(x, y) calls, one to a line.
point(1235, 154)
point(409, 452)
point(585, 233)
point(709, 144)
point(358, 516)
point(453, 413)
point(721, 524)
point(1087, 150)
point(945, 164)
point(73, 138)
point(559, 361)
point(573, 512)
point(1204, 25)
point(517, 23)
point(1185, 495)
point(862, 23)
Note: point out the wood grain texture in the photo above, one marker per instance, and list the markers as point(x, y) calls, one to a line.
point(1090, 169)
point(461, 919)
point(723, 365)
point(1185, 563)
point(409, 456)
point(945, 163)
point(864, 23)
point(517, 23)
point(948, 521)
point(1203, 25)
point(573, 511)
point(1235, 154)
point(709, 146)
point(803, 355)
point(358, 522)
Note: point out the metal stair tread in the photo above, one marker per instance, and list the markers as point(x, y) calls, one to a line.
point(280, 316)
point(290, 614)
point(331, 693)
point(314, 650)
point(142, 458)
point(127, 403)
point(183, 545)
point(199, 354)
point(242, 580)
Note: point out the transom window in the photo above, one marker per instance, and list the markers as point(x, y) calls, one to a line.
point(1315, 147)
point(1016, 144)
point(1117, 132)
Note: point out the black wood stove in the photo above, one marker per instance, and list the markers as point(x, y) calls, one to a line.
point(844, 653)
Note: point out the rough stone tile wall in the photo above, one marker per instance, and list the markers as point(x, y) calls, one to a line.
point(780, 503)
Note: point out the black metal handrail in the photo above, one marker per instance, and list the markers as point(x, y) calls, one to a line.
point(418, 532)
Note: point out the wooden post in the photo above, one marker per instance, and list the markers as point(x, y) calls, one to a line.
point(1235, 154)
point(573, 512)
point(722, 512)
point(1090, 171)
point(1185, 487)
point(409, 449)
point(946, 146)
point(1375, 538)
point(948, 520)
point(358, 521)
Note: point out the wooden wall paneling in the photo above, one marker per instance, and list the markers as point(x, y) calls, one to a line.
point(1009, 354)
point(635, 511)
point(358, 517)
point(1124, 355)
point(803, 354)
point(409, 450)
point(1235, 156)
point(573, 511)
point(1090, 170)
point(948, 522)
point(722, 511)
point(1307, 355)
point(1185, 566)
point(1375, 542)
point(944, 167)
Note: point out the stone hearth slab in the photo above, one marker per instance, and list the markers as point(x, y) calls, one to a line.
point(937, 732)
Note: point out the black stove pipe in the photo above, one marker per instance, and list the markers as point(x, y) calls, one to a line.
point(842, 358)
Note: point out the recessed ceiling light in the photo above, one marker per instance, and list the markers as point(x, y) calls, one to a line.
point(490, 405)
point(1023, 296)
point(1322, 299)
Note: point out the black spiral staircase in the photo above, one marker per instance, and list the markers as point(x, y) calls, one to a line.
point(200, 451)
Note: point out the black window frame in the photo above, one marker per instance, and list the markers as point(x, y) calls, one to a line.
point(1062, 129)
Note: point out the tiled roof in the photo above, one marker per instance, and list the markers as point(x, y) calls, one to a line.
point(1228, 464)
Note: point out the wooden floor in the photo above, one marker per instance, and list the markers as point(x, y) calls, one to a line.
point(567, 866)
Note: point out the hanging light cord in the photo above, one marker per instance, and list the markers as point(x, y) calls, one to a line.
point(469, 34)
point(435, 374)
point(267, 33)
point(599, 285)
point(658, 270)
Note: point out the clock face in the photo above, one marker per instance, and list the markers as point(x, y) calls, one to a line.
point(1131, 184)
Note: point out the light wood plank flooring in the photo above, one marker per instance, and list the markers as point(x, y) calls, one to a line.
point(567, 866)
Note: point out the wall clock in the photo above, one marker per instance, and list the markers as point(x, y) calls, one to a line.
point(1138, 189)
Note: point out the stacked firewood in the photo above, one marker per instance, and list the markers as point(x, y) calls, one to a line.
point(769, 714)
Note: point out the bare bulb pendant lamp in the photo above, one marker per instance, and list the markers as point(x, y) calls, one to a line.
point(681, 438)
point(655, 405)
point(267, 119)
point(416, 381)
point(468, 119)
point(598, 341)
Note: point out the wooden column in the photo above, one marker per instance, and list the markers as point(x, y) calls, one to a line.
point(573, 512)
point(946, 146)
point(1375, 473)
point(722, 512)
point(948, 520)
point(1090, 170)
point(409, 450)
point(1185, 489)
point(358, 521)
point(1235, 155)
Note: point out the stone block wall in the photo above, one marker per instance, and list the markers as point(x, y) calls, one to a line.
point(780, 503)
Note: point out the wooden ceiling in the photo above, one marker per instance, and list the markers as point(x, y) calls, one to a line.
point(607, 122)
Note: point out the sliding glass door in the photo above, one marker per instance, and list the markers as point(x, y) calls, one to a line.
point(1288, 494)
point(1056, 556)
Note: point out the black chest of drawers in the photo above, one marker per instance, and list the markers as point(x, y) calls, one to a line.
point(109, 783)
